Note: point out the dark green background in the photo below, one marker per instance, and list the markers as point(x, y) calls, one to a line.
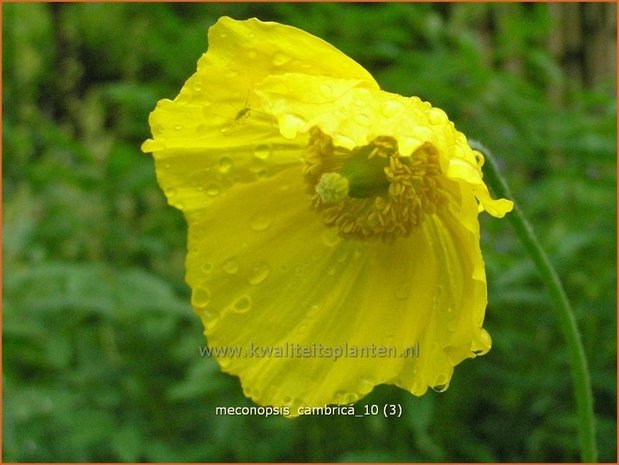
point(100, 346)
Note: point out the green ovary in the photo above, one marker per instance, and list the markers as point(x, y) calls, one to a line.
point(366, 176)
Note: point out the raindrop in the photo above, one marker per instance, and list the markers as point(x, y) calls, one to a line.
point(362, 119)
point(259, 274)
point(313, 310)
point(260, 222)
point(331, 271)
point(482, 346)
point(326, 90)
point(178, 127)
point(330, 237)
point(351, 398)
point(251, 53)
point(442, 383)
point(344, 141)
point(197, 88)
point(257, 166)
point(242, 304)
point(290, 119)
point(390, 108)
point(280, 59)
point(368, 382)
point(210, 318)
point(207, 267)
point(212, 190)
point(436, 116)
point(262, 151)
point(231, 266)
point(200, 297)
point(225, 163)
point(342, 257)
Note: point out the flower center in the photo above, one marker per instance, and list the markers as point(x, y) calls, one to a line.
point(372, 192)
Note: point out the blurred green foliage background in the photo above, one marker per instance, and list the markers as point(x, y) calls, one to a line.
point(100, 345)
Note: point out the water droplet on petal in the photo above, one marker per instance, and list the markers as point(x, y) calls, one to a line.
point(436, 116)
point(241, 305)
point(362, 119)
point(210, 318)
point(231, 266)
point(178, 127)
point(207, 267)
point(200, 297)
point(330, 237)
point(260, 222)
point(313, 310)
point(482, 346)
point(442, 383)
point(390, 108)
point(290, 119)
point(262, 151)
point(212, 190)
point(326, 90)
point(344, 141)
point(280, 59)
point(251, 53)
point(225, 163)
point(351, 398)
point(259, 274)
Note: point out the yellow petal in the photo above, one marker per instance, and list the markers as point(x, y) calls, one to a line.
point(465, 166)
point(353, 113)
point(268, 277)
point(241, 54)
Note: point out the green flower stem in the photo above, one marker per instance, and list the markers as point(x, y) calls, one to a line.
point(565, 314)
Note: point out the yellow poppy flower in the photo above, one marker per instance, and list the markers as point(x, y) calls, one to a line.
point(333, 227)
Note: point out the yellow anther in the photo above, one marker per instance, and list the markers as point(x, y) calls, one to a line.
point(372, 192)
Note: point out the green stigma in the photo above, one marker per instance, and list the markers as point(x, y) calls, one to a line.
point(332, 187)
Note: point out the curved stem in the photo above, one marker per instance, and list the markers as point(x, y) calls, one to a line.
point(563, 309)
